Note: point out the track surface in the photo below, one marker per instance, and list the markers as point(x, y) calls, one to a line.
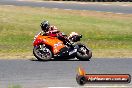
point(72, 6)
point(36, 74)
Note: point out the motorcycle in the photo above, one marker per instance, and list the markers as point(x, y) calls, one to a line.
point(61, 47)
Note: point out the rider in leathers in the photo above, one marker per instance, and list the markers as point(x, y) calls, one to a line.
point(52, 31)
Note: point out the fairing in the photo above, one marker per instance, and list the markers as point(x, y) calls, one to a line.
point(53, 42)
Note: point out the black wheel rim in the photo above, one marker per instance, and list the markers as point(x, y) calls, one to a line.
point(83, 51)
point(43, 54)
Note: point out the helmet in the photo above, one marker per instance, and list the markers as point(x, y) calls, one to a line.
point(45, 26)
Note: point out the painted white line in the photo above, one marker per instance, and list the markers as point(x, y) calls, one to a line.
point(108, 86)
point(119, 13)
point(20, 0)
point(42, 7)
point(82, 3)
point(110, 12)
point(124, 5)
point(84, 10)
point(59, 2)
point(60, 87)
point(67, 9)
point(106, 4)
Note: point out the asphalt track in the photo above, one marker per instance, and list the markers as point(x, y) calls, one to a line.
point(72, 6)
point(40, 74)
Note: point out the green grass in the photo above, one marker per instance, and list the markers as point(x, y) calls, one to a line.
point(18, 25)
point(14, 86)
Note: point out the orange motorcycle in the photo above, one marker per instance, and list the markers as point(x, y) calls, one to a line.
point(48, 48)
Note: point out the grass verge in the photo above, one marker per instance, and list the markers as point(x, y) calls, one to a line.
point(14, 86)
point(108, 35)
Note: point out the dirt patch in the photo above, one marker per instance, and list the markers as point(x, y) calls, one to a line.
point(96, 54)
point(25, 55)
point(112, 54)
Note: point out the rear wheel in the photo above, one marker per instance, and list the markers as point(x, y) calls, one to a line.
point(42, 53)
point(83, 53)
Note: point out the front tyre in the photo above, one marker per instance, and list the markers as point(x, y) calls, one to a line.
point(42, 53)
point(81, 80)
point(83, 53)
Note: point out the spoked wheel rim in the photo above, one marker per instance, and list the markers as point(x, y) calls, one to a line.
point(43, 53)
point(83, 51)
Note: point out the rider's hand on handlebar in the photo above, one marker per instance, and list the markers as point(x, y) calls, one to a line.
point(61, 34)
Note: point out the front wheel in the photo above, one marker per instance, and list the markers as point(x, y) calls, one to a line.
point(83, 53)
point(42, 53)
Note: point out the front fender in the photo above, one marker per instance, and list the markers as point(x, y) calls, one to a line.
point(37, 42)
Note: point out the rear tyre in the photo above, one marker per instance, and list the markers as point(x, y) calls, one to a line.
point(42, 53)
point(83, 53)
